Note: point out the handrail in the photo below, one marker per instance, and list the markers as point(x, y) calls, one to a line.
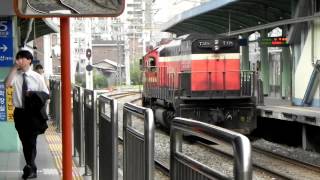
point(108, 138)
point(241, 146)
point(148, 138)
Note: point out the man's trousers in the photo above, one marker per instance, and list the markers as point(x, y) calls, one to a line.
point(27, 137)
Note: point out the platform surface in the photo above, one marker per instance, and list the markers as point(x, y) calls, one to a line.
point(283, 110)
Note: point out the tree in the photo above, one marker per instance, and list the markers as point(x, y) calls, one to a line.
point(135, 72)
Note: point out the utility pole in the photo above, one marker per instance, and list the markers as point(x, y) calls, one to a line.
point(119, 60)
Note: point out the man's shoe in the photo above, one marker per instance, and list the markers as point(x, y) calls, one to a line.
point(29, 172)
point(26, 171)
point(32, 175)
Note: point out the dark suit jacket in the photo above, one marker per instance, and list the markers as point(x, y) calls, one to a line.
point(35, 106)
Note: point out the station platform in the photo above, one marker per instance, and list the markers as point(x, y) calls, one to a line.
point(283, 110)
point(48, 160)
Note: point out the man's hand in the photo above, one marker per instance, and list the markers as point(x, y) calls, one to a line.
point(11, 74)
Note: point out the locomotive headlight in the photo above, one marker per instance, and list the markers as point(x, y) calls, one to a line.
point(216, 48)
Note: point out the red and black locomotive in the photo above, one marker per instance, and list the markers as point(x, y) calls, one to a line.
point(200, 78)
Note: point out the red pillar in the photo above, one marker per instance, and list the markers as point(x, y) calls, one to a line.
point(66, 99)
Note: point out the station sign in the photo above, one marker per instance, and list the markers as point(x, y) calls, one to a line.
point(274, 42)
point(6, 42)
point(223, 45)
point(9, 103)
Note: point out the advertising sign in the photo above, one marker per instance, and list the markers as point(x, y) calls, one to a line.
point(3, 116)
point(10, 107)
point(6, 42)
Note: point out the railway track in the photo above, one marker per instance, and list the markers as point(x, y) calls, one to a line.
point(266, 165)
point(122, 95)
point(301, 164)
point(276, 166)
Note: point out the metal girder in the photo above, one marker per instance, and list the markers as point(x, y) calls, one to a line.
point(232, 16)
point(239, 13)
point(257, 13)
point(282, 11)
point(202, 28)
point(272, 25)
point(224, 19)
point(208, 24)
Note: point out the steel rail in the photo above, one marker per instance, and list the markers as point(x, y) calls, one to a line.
point(165, 170)
point(122, 93)
point(265, 169)
point(300, 163)
point(291, 161)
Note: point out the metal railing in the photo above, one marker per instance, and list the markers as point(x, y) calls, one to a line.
point(138, 146)
point(55, 103)
point(90, 130)
point(237, 83)
point(51, 94)
point(184, 167)
point(78, 124)
point(108, 138)
point(161, 84)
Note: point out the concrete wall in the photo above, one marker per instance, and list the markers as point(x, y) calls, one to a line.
point(107, 52)
point(304, 66)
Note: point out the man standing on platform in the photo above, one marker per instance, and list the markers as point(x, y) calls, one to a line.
point(29, 91)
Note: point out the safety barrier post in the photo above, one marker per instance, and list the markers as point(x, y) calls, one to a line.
point(78, 124)
point(90, 113)
point(180, 162)
point(51, 102)
point(57, 104)
point(108, 138)
point(138, 148)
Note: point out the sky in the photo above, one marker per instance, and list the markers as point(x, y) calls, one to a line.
point(167, 9)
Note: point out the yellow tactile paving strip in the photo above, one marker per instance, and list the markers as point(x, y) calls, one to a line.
point(55, 147)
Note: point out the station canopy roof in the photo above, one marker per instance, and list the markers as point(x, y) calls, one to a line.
point(39, 28)
point(219, 17)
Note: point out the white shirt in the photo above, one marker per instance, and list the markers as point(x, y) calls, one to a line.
point(35, 82)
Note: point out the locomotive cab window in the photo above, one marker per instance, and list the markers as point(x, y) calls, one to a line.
point(152, 64)
point(141, 64)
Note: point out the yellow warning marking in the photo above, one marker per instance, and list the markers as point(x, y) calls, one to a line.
point(55, 147)
point(296, 108)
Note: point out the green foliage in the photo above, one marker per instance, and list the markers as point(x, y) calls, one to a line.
point(135, 72)
point(100, 81)
point(80, 79)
